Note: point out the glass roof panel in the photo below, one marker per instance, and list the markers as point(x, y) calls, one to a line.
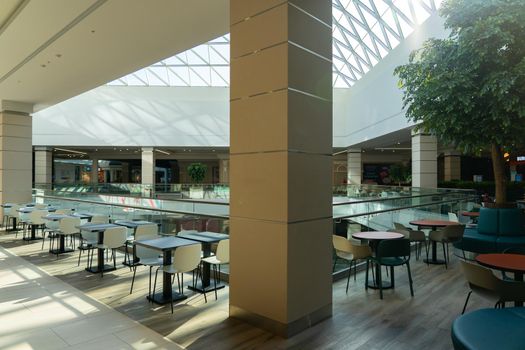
point(364, 31)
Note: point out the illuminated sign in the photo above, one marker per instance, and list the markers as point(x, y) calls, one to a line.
point(520, 159)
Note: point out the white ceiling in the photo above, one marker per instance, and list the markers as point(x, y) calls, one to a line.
point(56, 49)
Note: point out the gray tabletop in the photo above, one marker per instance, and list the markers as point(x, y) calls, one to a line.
point(54, 217)
point(165, 243)
point(133, 224)
point(205, 237)
point(30, 209)
point(96, 227)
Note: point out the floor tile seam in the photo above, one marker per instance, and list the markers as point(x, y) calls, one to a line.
point(68, 286)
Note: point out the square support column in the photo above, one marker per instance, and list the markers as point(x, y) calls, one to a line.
point(281, 163)
point(43, 167)
point(148, 171)
point(16, 152)
point(452, 166)
point(354, 166)
point(424, 160)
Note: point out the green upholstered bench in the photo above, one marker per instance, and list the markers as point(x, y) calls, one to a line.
point(497, 230)
point(490, 329)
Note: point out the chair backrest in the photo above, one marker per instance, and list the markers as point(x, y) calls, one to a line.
point(99, 219)
point(187, 258)
point(89, 236)
point(14, 213)
point(146, 230)
point(146, 253)
point(341, 244)
point(398, 226)
point(41, 206)
point(454, 232)
point(35, 217)
point(68, 225)
point(480, 277)
point(394, 248)
point(223, 251)
point(7, 211)
point(115, 237)
point(453, 217)
point(63, 211)
point(187, 231)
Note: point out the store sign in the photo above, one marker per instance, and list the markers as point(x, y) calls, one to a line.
point(520, 158)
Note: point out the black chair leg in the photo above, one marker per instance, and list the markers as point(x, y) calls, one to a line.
point(466, 302)
point(444, 254)
point(133, 279)
point(379, 281)
point(199, 272)
point(335, 262)
point(154, 285)
point(149, 284)
point(216, 275)
point(366, 274)
point(392, 276)
point(410, 279)
point(349, 274)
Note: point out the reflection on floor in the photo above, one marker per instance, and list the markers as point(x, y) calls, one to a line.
point(360, 319)
point(38, 311)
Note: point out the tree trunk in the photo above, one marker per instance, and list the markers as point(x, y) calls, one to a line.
point(498, 166)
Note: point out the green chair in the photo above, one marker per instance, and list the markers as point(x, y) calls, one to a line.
point(391, 252)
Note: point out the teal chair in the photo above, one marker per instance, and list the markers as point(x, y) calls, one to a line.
point(391, 253)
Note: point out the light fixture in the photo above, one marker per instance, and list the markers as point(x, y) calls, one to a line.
point(69, 150)
point(163, 152)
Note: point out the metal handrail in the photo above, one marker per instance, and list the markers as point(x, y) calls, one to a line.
point(398, 208)
point(132, 206)
point(392, 198)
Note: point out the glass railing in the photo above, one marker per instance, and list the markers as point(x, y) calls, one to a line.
point(355, 208)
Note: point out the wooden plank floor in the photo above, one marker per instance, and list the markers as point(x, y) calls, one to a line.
point(360, 319)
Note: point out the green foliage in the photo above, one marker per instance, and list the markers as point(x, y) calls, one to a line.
point(469, 89)
point(400, 173)
point(197, 171)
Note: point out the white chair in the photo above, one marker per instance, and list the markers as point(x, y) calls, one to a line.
point(63, 211)
point(453, 217)
point(221, 257)
point(41, 206)
point(114, 237)
point(140, 232)
point(51, 226)
point(88, 241)
point(36, 220)
point(68, 227)
point(5, 218)
point(99, 219)
point(185, 259)
point(147, 257)
point(14, 215)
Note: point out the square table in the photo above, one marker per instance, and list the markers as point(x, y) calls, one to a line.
point(100, 228)
point(206, 238)
point(27, 210)
point(133, 224)
point(166, 245)
point(61, 245)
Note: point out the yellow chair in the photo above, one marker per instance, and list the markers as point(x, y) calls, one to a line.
point(346, 250)
point(449, 234)
point(483, 282)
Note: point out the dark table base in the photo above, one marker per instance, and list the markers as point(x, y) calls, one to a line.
point(95, 269)
point(209, 288)
point(61, 251)
point(384, 284)
point(434, 261)
point(161, 299)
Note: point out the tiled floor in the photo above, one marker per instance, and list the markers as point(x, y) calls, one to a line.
point(38, 311)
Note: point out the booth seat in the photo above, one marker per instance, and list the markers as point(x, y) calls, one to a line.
point(490, 329)
point(497, 230)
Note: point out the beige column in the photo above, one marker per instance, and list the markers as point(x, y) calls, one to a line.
point(16, 152)
point(354, 166)
point(224, 171)
point(94, 174)
point(452, 166)
point(281, 163)
point(43, 167)
point(424, 160)
point(148, 171)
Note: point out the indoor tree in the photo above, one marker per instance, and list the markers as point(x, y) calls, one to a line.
point(197, 171)
point(469, 89)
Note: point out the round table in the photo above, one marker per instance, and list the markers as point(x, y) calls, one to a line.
point(433, 224)
point(374, 237)
point(514, 263)
point(473, 215)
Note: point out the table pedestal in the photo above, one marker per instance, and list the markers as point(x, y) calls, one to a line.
point(33, 236)
point(434, 260)
point(61, 246)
